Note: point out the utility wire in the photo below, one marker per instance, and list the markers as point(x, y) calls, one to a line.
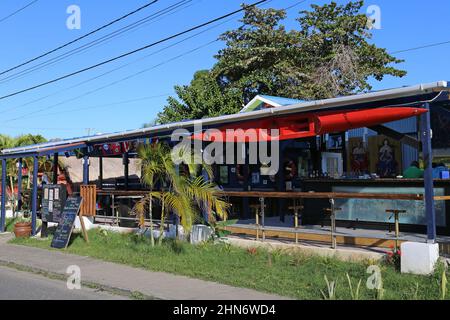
point(105, 105)
point(101, 41)
point(117, 68)
point(113, 83)
point(18, 11)
point(81, 37)
point(130, 52)
point(421, 47)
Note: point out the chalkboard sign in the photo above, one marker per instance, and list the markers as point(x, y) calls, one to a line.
point(65, 227)
point(53, 202)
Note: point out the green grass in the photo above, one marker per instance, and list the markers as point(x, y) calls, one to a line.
point(296, 276)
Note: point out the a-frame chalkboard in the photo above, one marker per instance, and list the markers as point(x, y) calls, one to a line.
point(65, 227)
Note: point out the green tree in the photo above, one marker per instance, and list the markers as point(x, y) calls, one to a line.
point(329, 55)
point(7, 142)
point(340, 60)
point(203, 97)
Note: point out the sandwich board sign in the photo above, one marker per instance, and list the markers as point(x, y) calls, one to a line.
point(65, 227)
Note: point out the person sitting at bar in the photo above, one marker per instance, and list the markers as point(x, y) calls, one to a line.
point(437, 169)
point(413, 172)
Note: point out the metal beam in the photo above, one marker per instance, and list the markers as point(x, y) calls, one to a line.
point(86, 170)
point(3, 209)
point(34, 195)
point(19, 184)
point(100, 169)
point(425, 131)
point(55, 168)
point(126, 163)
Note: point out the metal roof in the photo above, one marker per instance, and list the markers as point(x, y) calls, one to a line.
point(282, 101)
point(308, 106)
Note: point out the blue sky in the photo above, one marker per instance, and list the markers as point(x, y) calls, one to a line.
point(59, 113)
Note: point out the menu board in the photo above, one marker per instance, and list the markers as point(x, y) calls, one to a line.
point(65, 227)
point(53, 202)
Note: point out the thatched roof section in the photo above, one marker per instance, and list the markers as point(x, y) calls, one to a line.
point(112, 168)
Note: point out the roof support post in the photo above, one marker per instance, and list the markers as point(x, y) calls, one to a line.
point(100, 169)
point(425, 128)
point(3, 209)
point(55, 168)
point(246, 174)
point(281, 179)
point(19, 184)
point(86, 170)
point(34, 195)
point(126, 163)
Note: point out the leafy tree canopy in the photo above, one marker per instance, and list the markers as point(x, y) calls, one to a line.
point(329, 55)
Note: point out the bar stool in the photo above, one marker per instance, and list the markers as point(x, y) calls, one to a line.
point(297, 209)
point(258, 211)
point(396, 214)
point(332, 212)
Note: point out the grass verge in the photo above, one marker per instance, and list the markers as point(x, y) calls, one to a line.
point(294, 275)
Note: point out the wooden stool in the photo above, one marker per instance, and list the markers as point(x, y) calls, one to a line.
point(297, 209)
point(396, 213)
point(258, 210)
point(332, 212)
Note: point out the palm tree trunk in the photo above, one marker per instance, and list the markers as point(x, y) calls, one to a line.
point(29, 177)
point(13, 202)
point(161, 227)
point(150, 212)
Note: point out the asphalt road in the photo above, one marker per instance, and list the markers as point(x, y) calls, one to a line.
point(19, 285)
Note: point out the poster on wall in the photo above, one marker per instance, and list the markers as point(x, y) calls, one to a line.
point(358, 156)
point(335, 142)
point(385, 156)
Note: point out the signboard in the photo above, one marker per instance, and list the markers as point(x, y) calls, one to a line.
point(65, 227)
point(53, 202)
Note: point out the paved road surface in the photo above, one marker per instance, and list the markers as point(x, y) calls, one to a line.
point(21, 285)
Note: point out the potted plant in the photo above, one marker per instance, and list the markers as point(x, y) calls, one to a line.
point(22, 227)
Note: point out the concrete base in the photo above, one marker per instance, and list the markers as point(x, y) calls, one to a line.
point(88, 223)
point(419, 258)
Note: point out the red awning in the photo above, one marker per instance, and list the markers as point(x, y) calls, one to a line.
point(306, 125)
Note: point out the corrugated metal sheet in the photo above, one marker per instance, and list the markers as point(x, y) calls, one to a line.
point(356, 133)
point(404, 126)
point(409, 154)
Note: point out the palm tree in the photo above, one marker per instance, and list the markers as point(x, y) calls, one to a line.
point(183, 194)
point(7, 142)
point(12, 169)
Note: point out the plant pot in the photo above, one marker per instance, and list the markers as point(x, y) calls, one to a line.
point(22, 229)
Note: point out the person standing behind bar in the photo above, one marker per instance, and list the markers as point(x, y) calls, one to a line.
point(413, 172)
point(437, 169)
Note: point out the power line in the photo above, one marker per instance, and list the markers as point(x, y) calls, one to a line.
point(295, 5)
point(100, 106)
point(113, 83)
point(108, 72)
point(100, 41)
point(130, 52)
point(116, 68)
point(81, 37)
point(18, 11)
point(421, 47)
